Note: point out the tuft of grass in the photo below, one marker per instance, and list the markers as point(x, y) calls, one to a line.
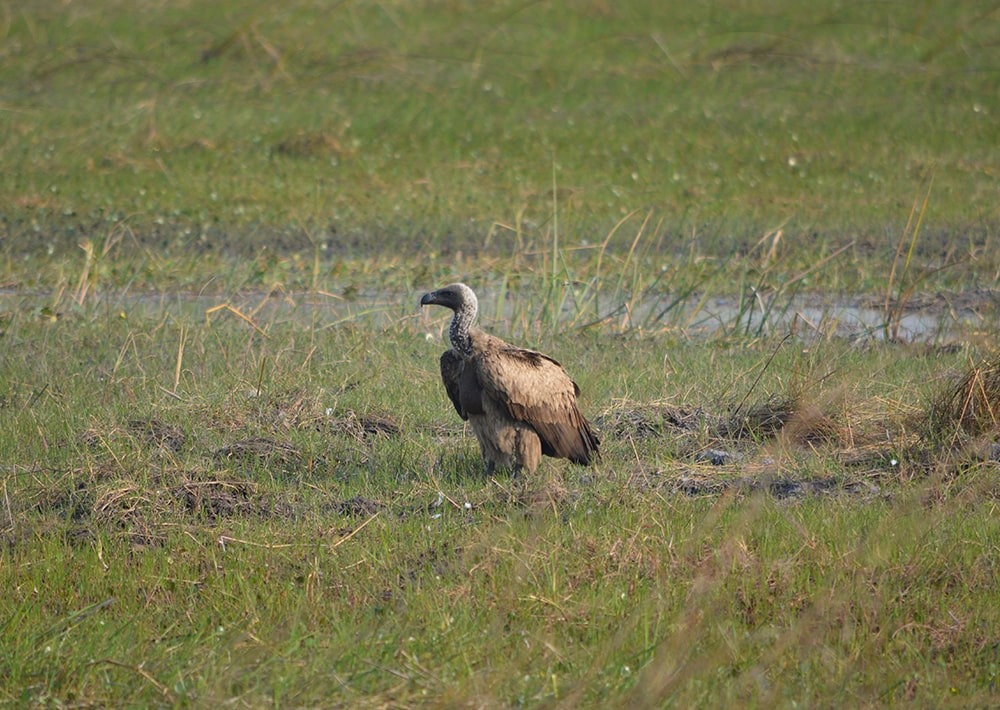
point(968, 409)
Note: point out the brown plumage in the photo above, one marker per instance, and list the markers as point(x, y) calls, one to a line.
point(520, 404)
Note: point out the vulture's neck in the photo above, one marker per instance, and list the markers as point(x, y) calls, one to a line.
point(461, 323)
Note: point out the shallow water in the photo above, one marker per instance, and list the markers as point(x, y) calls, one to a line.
point(926, 319)
point(818, 317)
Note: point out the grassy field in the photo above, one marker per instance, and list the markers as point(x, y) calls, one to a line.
point(354, 128)
point(229, 473)
point(207, 512)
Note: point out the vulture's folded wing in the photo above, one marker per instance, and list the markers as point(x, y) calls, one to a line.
point(461, 385)
point(451, 373)
point(535, 389)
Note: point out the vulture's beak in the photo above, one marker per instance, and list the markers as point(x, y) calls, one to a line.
point(428, 299)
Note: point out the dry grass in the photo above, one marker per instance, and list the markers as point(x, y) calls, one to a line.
point(970, 408)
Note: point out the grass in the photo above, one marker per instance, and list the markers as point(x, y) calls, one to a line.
point(229, 473)
point(296, 518)
point(427, 128)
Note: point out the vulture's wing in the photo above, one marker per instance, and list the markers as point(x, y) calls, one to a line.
point(451, 373)
point(461, 385)
point(535, 389)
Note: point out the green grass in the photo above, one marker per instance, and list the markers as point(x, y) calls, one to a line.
point(358, 128)
point(229, 473)
point(292, 515)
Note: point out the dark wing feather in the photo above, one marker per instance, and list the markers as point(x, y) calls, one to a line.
point(535, 389)
point(461, 385)
point(451, 373)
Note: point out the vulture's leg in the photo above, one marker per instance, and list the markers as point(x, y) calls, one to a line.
point(529, 451)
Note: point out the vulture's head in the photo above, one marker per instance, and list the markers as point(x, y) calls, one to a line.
point(458, 297)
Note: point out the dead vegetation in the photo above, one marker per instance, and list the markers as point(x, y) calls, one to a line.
point(969, 409)
point(157, 433)
point(758, 421)
point(262, 450)
point(298, 410)
point(652, 420)
point(754, 441)
point(364, 427)
point(149, 473)
point(145, 475)
point(708, 436)
point(787, 415)
point(146, 433)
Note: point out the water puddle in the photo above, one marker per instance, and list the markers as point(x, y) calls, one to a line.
point(824, 317)
point(928, 319)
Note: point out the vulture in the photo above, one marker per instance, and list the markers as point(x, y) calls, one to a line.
point(520, 403)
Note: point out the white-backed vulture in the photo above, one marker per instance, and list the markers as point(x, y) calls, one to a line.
point(520, 404)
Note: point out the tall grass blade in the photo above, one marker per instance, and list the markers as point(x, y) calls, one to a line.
point(894, 309)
